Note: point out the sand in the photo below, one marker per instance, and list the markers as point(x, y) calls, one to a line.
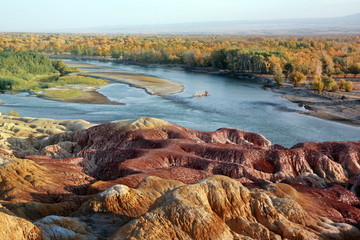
point(331, 106)
point(152, 85)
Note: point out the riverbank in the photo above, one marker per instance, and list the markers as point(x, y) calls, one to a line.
point(341, 106)
point(248, 76)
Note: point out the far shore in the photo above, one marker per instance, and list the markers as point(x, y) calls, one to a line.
point(330, 106)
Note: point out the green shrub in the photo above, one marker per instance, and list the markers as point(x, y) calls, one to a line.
point(46, 79)
point(318, 85)
point(328, 83)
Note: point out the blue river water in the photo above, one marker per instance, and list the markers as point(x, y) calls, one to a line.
point(232, 103)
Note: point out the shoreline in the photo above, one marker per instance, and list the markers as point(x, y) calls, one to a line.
point(320, 106)
point(88, 97)
point(327, 106)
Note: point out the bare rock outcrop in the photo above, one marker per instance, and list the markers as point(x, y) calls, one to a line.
point(149, 179)
point(221, 208)
point(13, 227)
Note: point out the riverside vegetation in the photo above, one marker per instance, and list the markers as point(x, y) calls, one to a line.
point(324, 64)
point(295, 59)
point(38, 74)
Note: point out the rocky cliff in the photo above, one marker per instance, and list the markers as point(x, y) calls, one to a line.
point(149, 179)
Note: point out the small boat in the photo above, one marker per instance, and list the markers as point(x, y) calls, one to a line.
point(201, 94)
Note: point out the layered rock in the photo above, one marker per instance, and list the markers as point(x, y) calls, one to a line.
point(22, 136)
point(221, 208)
point(143, 179)
point(13, 227)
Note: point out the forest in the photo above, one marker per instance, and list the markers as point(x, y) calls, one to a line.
point(28, 70)
point(295, 59)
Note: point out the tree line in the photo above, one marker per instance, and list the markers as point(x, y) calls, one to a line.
point(284, 57)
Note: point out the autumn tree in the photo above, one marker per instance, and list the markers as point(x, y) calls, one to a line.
point(349, 86)
point(296, 78)
point(342, 83)
point(328, 65)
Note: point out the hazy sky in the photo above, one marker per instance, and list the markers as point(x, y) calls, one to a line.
point(32, 15)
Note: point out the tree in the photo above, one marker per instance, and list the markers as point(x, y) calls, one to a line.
point(354, 69)
point(297, 78)
point(275, 64)
point(328, 65)
point(6, 84)
point(60, 66)
point(329, 84)
point(279, 78)
point(218, 59)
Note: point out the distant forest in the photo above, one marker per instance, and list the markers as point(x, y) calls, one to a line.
point(284, 57)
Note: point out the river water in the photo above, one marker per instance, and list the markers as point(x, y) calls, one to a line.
point(232, 103)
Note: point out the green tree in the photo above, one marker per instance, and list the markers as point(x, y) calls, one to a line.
point(218, 59)
point(60, 66)
point(279, 78)
point(354, 69)
point(328, 83)
point(6, 84)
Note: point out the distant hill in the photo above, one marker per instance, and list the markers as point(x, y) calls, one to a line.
point(349, 25)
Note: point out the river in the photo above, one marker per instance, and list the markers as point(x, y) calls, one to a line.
point(232, 103)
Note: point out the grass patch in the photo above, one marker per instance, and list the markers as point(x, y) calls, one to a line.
point(63, 93)
point(76, 80)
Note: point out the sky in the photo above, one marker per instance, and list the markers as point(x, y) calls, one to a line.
point(48, 15)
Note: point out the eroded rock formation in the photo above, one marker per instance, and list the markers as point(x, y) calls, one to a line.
point(142, 179)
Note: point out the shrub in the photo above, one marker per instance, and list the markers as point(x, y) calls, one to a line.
point(342, 83)
point(349, 86)
point(328, 83)
point(297, 78)
point(334, 87)
point(279, 79)
point(318, 85)
point(13, 113)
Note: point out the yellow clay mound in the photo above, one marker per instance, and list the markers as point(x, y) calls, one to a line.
point(141, 123)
